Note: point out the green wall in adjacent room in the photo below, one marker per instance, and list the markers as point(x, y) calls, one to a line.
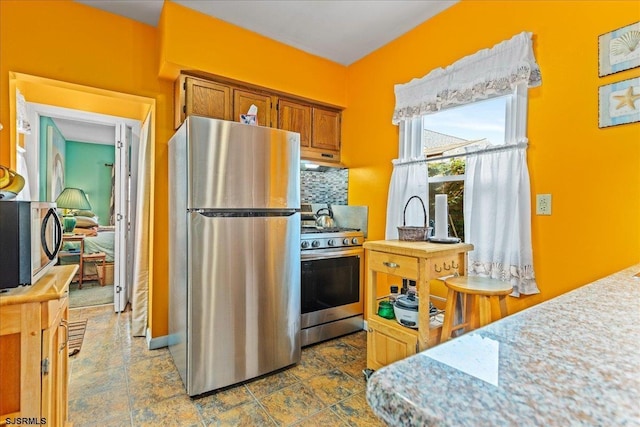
point(85, 168)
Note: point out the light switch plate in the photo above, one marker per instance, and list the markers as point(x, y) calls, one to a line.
point(543, 204)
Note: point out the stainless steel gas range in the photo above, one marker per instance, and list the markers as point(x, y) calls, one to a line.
point(331, 286)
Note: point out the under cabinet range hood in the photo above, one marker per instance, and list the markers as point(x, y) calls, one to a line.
point(320, 166)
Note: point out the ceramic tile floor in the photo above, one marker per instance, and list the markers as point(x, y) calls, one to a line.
point(116, 381)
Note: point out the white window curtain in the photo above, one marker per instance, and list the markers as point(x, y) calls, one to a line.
point(487, 73)
point(409, 178)
point(497, 209)
point(497, 218)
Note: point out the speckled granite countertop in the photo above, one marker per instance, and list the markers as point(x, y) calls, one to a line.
point(570, 361)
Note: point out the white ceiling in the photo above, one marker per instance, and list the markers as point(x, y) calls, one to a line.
point(80, 131)
point(342, 31)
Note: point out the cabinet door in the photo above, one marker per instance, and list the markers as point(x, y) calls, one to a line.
point(242, 100)
point(208, 99)
point(20, 328)
point(326, 129)
point(297, 118)
point(388, 343)
point(55, 377)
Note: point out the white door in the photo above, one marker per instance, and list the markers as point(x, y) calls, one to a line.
point(120, 294)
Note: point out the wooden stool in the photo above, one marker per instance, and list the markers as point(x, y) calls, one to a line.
point(97, 258)
point(476, 293)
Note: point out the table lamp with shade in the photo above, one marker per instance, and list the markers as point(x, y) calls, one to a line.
point(71, 198)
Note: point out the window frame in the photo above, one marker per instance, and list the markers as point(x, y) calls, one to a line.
point(515, 126)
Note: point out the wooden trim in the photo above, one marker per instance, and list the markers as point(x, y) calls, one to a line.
point(30, 359)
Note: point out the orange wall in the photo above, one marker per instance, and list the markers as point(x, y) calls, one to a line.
point(70, 42)
point(246, 56)
point(593, 174)
point(67, 41)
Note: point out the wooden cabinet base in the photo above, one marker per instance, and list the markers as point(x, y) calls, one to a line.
point(388, 343)
point(34, 357)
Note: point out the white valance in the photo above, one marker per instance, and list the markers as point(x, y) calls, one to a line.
point(487, 73)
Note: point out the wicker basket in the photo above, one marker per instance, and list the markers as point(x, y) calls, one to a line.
point(107, 273)
point(413, 233)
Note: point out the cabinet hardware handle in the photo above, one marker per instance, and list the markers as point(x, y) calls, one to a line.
point(438, 270)
point(454, 265)
point(65, 325)
point(444, 264)
point(369, 330)
point(391, 264)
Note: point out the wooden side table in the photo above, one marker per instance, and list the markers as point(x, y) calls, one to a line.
point(97, 258)
point(79, 253)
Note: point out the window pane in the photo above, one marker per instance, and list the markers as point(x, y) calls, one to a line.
point(455, 166)
point(455, 194)
point(470, 122)
point(447, 133)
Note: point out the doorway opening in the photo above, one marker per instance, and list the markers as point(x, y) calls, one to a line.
point(132, 117)
point(86, 145)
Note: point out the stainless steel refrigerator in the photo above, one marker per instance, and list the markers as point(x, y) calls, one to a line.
point(234, 252)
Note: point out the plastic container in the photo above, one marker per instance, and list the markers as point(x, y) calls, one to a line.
point(394, 293)
point(385, 309)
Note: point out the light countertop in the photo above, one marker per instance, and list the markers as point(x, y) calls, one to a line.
point(53, 285)
point(418, 249)
point(571, 360)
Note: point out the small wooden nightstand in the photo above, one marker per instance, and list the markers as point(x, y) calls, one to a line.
point(98, 259)
point(75, 238)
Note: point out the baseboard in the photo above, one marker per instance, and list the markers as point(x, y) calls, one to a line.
point(163, 341)
point(157, 342)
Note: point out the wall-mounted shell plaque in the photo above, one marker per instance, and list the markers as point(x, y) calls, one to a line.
point(619, 103)
point(619, 50)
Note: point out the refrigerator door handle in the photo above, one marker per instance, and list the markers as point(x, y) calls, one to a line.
point(244, 213)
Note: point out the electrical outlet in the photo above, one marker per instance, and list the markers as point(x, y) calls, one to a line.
point(543, 204)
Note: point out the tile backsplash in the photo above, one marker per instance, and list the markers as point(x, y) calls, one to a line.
point(324, 187)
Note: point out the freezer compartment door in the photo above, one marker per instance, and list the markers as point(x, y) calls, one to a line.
point(244, 298)
point(237, 166)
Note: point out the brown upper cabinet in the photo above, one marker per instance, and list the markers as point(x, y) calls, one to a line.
point(319, 129)
point(242, 101)
point(326, 129)
point(201, 98)
point(318, 125)
point(295, 117)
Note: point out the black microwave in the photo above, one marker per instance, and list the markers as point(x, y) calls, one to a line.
point(30, 239)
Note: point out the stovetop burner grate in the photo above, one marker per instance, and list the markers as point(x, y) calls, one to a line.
point(311, 230)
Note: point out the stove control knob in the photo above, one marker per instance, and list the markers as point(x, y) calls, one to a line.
point(345, 242)
point(315, 244)
point(354, 240)
point(305, 244)
point(331, 242)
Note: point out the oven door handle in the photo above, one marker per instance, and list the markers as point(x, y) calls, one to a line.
point(313, 255)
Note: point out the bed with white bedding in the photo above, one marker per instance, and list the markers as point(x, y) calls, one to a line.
point(103, 241)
